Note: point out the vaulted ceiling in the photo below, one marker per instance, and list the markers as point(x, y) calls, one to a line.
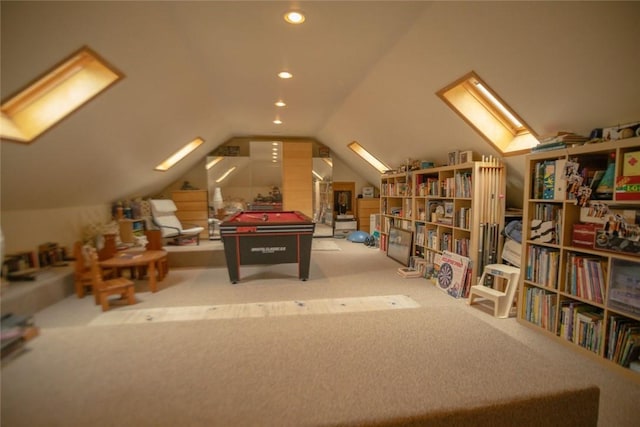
point(365, 71)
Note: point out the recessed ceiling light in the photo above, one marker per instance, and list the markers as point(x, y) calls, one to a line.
point(274, 144)
point(285, 75)
point(294, 17)
point(277, 121)
point(280, 103)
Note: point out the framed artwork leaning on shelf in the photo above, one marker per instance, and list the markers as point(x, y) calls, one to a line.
point(399, 245)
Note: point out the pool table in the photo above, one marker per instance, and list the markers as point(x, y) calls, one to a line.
point(267, 237)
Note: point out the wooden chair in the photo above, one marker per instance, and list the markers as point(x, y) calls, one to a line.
point(103, 289)
point(154, 243)
point(82, 273)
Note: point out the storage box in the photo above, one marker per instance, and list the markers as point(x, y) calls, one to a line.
point(628, 188)
point(631, 164)
point(584, 235)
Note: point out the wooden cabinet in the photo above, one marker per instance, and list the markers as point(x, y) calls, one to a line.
point(581, 258)
point(458, 208)
point(365, 208)
point(297, 180)
point(193, 208)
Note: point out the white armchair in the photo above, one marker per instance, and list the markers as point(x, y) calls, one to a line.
point(163, 214)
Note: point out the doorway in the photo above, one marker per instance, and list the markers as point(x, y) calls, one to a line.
point(344, 198)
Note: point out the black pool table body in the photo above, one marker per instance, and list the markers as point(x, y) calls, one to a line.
point(267, 237)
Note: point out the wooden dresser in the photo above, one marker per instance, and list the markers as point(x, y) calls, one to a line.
point(193, 208)
point(365, 208)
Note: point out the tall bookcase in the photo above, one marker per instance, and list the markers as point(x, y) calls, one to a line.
point(580, 281)
point(459, 208)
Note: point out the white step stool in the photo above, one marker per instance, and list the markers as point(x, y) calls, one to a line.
point(502, 300)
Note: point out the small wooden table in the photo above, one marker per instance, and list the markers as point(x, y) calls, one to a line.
point(138, 259)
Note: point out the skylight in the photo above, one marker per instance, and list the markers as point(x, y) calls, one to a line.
point(480, 106)
point(368, 157)
point(55, 95)
point(226, 174)
point(179, 155)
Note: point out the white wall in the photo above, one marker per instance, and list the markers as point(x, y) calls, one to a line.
point(342, 172)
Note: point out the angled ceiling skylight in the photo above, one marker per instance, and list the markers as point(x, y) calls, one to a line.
point(481, 107)
point(55, 95)
point(368, 157)
point(179, 155)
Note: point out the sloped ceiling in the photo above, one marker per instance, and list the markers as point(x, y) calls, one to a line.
point(365, 71)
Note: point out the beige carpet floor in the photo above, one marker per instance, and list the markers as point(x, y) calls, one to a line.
point(293, 370)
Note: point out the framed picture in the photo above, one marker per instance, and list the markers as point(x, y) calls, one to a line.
point(399, 245)
point(452, 158)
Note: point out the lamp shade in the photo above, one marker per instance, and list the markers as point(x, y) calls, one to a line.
point(218, 202)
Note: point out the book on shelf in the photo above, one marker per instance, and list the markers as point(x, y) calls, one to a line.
point(542, 265)
point(550, 180)
point(587, 328)
point(623, 341)
point(417, 268)
point(585, 277)
point(540, 307)
point(559, 140)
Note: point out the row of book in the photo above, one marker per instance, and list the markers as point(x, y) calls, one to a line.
point(581, 324)
point(558, 141)
point(397, 223)
point(623, 346)
point(446, 242)
point(542, 266)
point(399, 189)
point(429, 238)
point(463, 185)
point(448, 187)
point(550, 182)
point(585, 277)
point(459, 185)
point(547, 212)
point(540, 308)
point(429, 187)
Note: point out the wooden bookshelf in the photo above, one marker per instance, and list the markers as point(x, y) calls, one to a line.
point(581, 258)
point(459, 208)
